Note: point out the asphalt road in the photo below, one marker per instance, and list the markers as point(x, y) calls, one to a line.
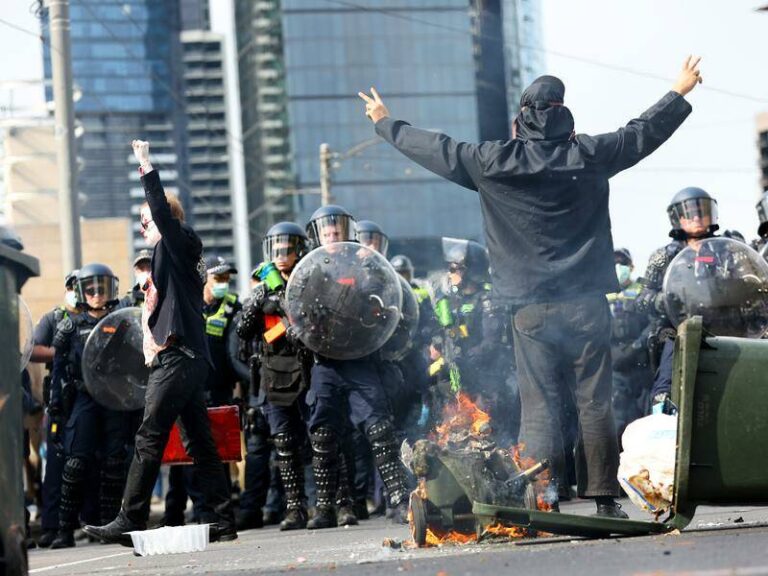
point(720, 541)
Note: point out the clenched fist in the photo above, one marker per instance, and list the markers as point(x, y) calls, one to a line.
point(141, 152)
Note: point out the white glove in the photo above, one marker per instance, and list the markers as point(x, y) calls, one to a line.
point(141, 152)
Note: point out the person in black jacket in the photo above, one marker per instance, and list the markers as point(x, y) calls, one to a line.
point(544, 200)
point(176, 349)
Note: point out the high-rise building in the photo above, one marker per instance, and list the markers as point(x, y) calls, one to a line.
point(762, 147)
point(208, 152)
point(127, 70)
point(457, 67)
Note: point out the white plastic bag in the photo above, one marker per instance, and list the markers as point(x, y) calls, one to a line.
point(647, 464)
point(171, 540)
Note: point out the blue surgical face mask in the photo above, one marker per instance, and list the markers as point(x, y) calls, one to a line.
point(219, 290)
point(624, 274)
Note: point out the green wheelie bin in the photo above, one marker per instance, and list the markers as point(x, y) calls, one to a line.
point(15, 268)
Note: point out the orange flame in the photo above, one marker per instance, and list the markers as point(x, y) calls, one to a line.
point(460, 417)
point(511, 532)
point(542, 480)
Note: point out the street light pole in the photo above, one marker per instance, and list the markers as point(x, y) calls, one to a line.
point(64, 117)
point(325, 174)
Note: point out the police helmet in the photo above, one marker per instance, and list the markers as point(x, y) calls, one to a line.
point(70, 279)
point(284, 238)
point(735, 235)
point(467, 256)
point(370, 234)
point(687, 204)
point(403, 265)
point(622, 256)
point(331, 224)
point(95, 279)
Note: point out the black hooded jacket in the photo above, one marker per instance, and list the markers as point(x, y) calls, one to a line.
point(544, 194)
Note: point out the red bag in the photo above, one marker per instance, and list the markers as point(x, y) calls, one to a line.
point(225, 426)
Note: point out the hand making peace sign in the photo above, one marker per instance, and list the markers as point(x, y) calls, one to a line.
point(374, 106)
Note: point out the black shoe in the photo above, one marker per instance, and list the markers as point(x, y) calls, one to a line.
point(116, 532)
point(249, 520)
point(323, 518)
point(64, 539)
point(295, 519)
point(171, 520)
point(345, 516)
point(611, 510)
point(29, 543)
point(400, 513)
point(222, 532)
point(46, 539)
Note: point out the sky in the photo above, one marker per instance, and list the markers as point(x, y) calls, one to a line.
point(584, 43)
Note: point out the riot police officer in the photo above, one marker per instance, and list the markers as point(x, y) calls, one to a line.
point(370, 234)
point(43, 352)
point(693, 216)
point(473, 349)
point(348, 391)
point(631, 371)
point(87, 427)
point(284, 363)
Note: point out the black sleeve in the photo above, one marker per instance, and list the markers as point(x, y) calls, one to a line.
point(175, 234)
point(458, 162)
point(250, 321)
point(45, 329)
point(624, 148)
point(233, 348)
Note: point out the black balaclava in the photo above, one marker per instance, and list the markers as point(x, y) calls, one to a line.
point(542, 113)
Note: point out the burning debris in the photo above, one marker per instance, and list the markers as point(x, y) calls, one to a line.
point(460, 464)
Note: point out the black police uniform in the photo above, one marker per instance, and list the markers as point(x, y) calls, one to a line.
point(91, 431)
point(284, 376)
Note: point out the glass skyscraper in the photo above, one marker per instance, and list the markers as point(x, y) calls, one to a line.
point(126, 64)
point(441, 65)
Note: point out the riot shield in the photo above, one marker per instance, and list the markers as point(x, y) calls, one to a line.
point(343, 300)
point(26, 328)
point(725, 282)
point(399, 344)
point(113, 361)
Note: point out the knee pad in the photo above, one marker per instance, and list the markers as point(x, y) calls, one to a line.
point(381, 432)
point(74, 470)
point(285, 444)
point(324, 441)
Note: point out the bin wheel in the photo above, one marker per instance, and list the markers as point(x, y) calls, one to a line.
point(418, 520)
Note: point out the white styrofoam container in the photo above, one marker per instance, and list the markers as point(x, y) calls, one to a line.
point(171, 540)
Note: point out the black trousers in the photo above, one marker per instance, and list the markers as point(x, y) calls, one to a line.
point(563, 348)
point(176, 389)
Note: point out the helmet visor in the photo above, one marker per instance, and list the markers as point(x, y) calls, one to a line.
point(455, 251)
point(375, 240)
point(281, 246)
point(102, 287)
point(705, 209)
point(334, 228)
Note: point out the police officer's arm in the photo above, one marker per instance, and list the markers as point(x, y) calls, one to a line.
point(624, 148)
point(251, 319)
point(493, 333)
point(233, 350)
point(43, 351)
point(649, 299)
point(458, 162)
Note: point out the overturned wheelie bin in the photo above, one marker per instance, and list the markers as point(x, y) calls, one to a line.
point(720, 386)
point(15, 269)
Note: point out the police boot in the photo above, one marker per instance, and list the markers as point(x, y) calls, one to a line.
point(291, 470)
point(607, 507)
point(325, 452)
point(72, 486)
point(384, 447)
point(46, 539)
point(345, 506)
point(112, 484)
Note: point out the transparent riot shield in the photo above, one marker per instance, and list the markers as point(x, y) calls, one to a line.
point(113, 361)
point(344, 300)
point(401, 341)
point(26, 328)
point(723, 281)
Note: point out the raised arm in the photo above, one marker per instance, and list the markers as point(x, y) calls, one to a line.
point(624, 148)
point(438, 153)
point(169, 227)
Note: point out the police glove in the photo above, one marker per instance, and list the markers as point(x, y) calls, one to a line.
point(55, 428)
point(64, 330)
point(662, 404)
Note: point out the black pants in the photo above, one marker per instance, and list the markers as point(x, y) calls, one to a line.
point(563, 348)
point(176, 390)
